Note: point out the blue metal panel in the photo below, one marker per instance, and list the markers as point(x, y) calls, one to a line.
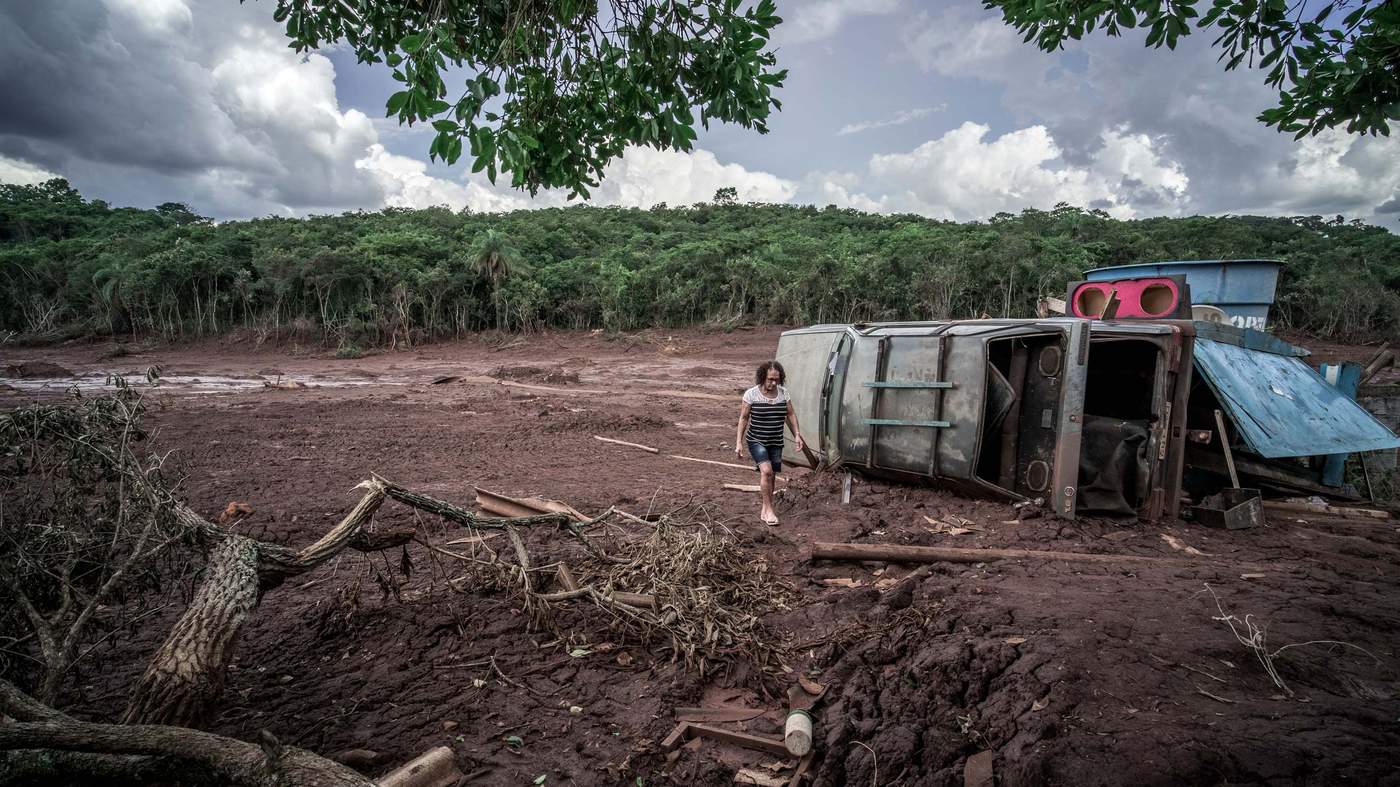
point(1282, 407)
point(1243, 289)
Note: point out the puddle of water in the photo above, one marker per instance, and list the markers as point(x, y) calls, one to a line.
point(203, 383)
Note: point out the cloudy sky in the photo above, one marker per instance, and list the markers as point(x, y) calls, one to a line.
point(935, 108)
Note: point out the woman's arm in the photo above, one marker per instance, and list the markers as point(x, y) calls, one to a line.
point(792, 423)
point(743, 427)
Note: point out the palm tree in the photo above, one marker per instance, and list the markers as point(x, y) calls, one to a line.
point(496, 260)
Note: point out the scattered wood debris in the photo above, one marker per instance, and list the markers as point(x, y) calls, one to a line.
point(977, 771)
point(1181, 546)
point(915, 554)
point(434, 768)
point(646, 448)
point(722, 713)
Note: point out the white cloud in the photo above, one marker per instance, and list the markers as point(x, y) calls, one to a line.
point(962, 175)
point(898, 119)
point(157, 16)
point(823, 19)
point(642, 177)
point(646, 176)
point(1195, 115)
point(407, 184)
point(22, 173)
point(1333, 172)
point(961, 41)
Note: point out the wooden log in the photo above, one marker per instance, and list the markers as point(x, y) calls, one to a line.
point(186, 675)
point(1326, 510)
point(433, 768)
point(900, 553)
point(77, 751)
point(646, 448)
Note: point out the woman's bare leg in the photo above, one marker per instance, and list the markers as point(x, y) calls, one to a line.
point(765, 487)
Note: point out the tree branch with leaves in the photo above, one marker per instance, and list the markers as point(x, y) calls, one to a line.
point(1334, 62)
point(556, 90)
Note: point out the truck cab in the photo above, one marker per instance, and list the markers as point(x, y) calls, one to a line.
point(1082, 415)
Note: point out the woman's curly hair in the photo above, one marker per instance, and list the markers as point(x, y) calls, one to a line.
point(762, 373)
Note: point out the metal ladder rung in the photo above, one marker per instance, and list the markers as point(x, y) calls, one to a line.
point(897, 422)
point(907, 384)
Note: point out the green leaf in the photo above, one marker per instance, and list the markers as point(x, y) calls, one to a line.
point(540, 779)
point(445, 125)
point(397, 102)
point(514, 741)
point(411, 43)
point(1126, 17)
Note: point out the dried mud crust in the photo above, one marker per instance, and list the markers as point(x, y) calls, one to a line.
point(535, 374)
point(1071, 674)
point(568, 419)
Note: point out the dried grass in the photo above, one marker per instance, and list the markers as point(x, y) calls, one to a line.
point(1253, 636)
point(711, 593)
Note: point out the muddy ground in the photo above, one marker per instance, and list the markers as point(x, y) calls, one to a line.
point(1068, 673)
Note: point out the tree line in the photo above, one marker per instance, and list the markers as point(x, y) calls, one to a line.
point(71, 266)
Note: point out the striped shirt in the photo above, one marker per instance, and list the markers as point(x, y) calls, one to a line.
point(766, 416)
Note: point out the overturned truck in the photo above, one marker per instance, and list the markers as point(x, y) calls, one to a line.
point(1112, 417)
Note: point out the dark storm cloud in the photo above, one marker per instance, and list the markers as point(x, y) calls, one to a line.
point(205, 103)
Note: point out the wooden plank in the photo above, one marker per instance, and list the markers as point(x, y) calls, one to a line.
point(803, 765)
point(503, 505)
point(676, 737)
point(712, 462)
point(742, 487)
point(646, 448)
point(1225, 446)
point(900, 553)
point(721, 713)
point(750, 468)
point(771, 746)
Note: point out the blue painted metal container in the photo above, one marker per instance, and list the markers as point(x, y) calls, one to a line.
point(1243, 289)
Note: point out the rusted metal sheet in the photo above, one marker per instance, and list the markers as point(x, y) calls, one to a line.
point(1281, 407)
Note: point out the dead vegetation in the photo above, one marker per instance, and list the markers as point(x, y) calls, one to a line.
point(92, 533)
point(1253, 635)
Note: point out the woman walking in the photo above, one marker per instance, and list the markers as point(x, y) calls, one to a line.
point(761, 419)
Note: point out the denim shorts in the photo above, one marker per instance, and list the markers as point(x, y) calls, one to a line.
point(766, 453)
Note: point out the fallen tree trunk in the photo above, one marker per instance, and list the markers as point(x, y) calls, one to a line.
point(44, 745)
point(898, 553)
point(186, 675)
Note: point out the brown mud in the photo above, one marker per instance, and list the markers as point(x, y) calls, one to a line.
point(1070, 673)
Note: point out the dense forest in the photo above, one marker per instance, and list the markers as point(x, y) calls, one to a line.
point(71, 266)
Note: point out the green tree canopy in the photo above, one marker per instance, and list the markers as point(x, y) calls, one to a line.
point(1334, 61)
point(556, 90)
